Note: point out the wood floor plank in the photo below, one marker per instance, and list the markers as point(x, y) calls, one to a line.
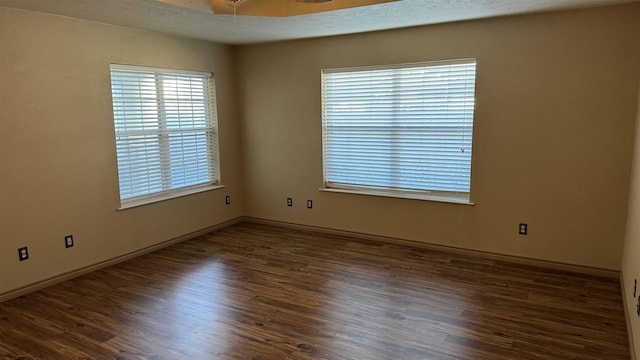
point(261, 292)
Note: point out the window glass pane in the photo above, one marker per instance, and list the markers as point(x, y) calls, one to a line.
point(139, 165)
point(189, 158)
point(165, 134)
point(401, 127)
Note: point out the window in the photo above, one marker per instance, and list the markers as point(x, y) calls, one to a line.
point(400, 130)
point(166, 135)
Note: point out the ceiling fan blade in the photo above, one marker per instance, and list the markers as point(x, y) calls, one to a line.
point(283, 8)
point(223, 6)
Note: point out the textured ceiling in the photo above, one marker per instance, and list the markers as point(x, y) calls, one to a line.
point(195, 19)
point(286, 7)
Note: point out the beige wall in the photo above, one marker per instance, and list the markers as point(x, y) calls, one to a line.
point(631, 254)
point(556, 102)
point(59, 172)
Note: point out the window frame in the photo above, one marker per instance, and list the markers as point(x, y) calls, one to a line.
point(456, 197)
point(210, 131)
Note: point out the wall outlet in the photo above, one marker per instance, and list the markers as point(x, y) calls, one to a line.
point(23, 253)
point(522, 229)
point(227, 200)
point(68, 241)
point(309, 204)
point(289, 202)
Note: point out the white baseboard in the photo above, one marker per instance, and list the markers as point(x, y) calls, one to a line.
point(101, 265)
point(627, 317)
point(477, 253)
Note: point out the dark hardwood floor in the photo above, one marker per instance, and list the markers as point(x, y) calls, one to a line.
point(259, 292)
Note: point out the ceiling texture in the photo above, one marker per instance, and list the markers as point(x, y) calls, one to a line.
point(196, 19)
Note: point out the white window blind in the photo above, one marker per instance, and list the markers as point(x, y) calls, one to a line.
point(405, 128)
point(166, 136)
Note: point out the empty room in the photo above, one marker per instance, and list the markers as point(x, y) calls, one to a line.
point(320, 179)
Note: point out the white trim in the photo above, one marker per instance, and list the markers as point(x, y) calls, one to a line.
point(418, 195)
point(165, 195)
point(402, 65)
point(139, 68)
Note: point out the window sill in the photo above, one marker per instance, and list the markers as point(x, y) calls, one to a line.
point(393, 194)
point(168, 196)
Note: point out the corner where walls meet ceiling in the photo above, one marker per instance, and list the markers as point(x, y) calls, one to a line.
point(196, 18)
